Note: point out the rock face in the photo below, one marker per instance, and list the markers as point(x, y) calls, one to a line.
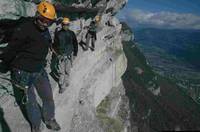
point(127, 33)
point(95, 101)
point(13, 9)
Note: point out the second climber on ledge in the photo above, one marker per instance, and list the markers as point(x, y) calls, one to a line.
point(65, 49)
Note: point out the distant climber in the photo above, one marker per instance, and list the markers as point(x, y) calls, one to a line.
point(91, 34)
point(65, 49)
point(25, 56)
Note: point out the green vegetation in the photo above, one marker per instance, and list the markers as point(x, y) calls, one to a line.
point(108, 123)
point(118, 52)
point(103, 106)
point(138, 60)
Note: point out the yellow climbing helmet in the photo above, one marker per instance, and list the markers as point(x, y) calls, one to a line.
point(47, 10)
point(97, 18)
point(66, 20)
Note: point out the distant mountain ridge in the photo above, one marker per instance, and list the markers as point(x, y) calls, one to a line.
point(183, 44)
point(173, 53)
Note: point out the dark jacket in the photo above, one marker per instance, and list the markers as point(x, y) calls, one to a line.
point(92, 27)
point(65, 42)
point(28, 48)
point(92, 30)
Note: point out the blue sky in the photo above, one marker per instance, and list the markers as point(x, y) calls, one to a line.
point(162, 13)
point(179, 6)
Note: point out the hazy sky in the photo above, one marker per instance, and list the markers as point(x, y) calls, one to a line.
point(183, 14)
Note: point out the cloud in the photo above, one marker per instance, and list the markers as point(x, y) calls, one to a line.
point(163, 19)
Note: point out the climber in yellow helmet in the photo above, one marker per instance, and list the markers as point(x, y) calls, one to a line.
point(25, 56)
point(66, 21)
point(45, 15)
point(97, 18)
point(65, 49)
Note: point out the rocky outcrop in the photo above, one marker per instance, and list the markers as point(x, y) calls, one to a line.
point(14, 9)
point(126, 33)
point(95, 101)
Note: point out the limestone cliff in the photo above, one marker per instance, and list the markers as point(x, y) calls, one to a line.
point(95, 101)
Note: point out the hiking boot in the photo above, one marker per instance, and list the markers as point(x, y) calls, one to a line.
point(53, 125)
point(35, 129)
point(85, 49)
